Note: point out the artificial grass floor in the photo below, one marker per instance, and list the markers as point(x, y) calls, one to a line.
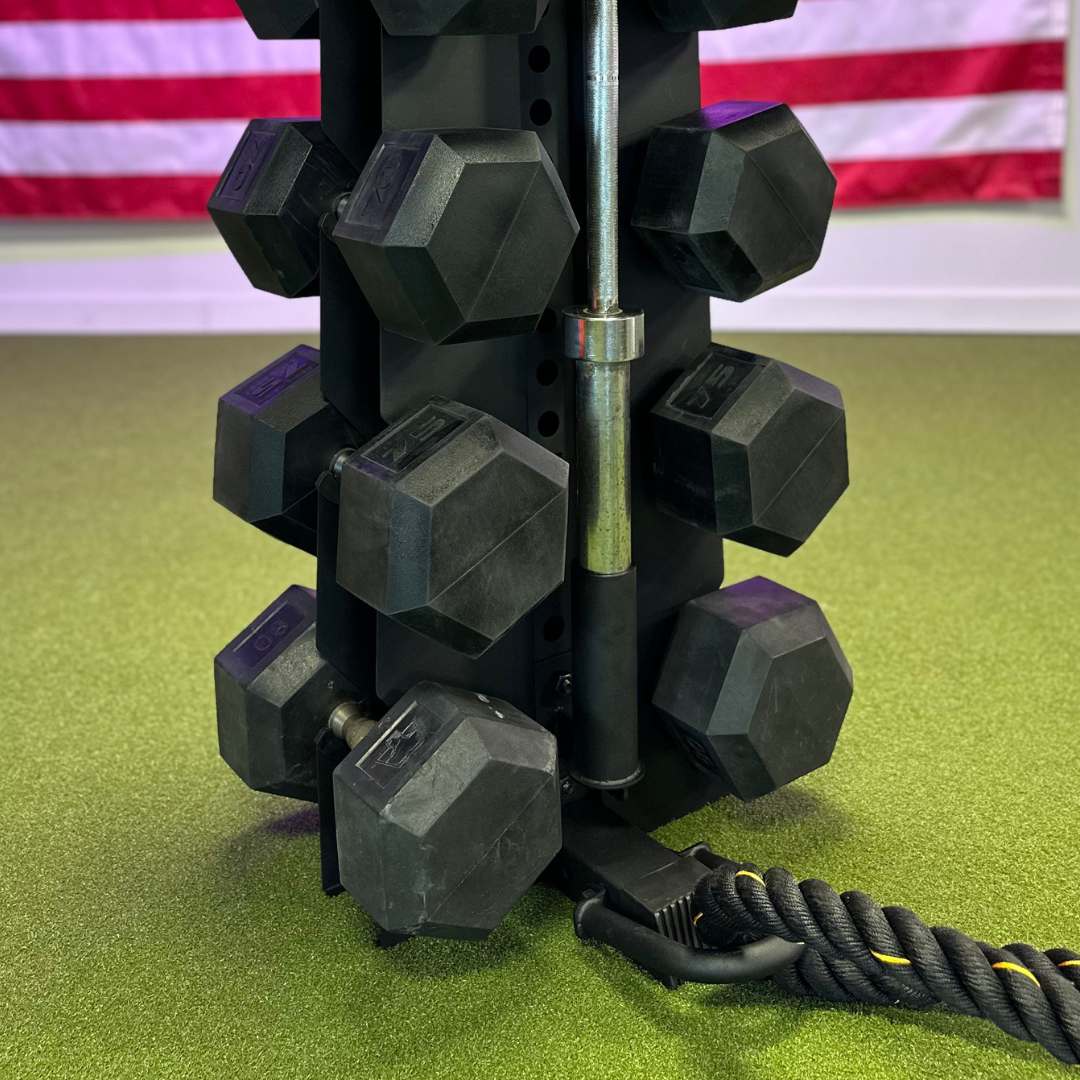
point(157, 919)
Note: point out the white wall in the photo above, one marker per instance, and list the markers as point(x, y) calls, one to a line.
point(993, 269)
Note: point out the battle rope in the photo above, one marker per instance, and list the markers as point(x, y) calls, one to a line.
point(860, 951)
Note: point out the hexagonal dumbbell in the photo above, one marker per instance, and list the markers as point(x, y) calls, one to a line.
point(447, 811)
point(447, 808)
point(452, 235)
point(282, 19)
point(684, 16)
point(428, 18)
point(274, 693)
point(283, 178)
point(452, 522)
point(750, 448)
point(275, 436)
point(754, 686)
point(734, 199)
point(457, 235)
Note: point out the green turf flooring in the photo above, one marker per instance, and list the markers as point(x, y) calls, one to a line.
point(157, 919)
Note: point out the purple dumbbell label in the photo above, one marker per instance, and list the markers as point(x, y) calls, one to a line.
point(261, 389)
point(413, 440)
point(243, 169)
point(713, 384)
point(383, 185)
point(268, 636)
point(731, 112)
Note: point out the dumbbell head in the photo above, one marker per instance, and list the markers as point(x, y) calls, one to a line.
point(275, 435)
point(734, 199)
point(457, 235)
point(428, 18)
point(283, 177)
point(750, 448)
point(274, 694)
point(754, 686)
point(684, 16)
point(447, 811)
point(454, 524)
point(280, 19)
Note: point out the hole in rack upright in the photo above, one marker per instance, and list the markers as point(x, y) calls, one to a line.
point(548, 424)
point(539, 59)
point(547, 372)
point(540, 112)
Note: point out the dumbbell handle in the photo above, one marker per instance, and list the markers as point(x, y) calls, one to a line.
point(337, 463)
point(350, 722)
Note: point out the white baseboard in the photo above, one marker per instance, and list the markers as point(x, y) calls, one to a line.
point(204, 292)
point(904, 311)
point(187, 293)
point(827, 312)
point(157, 313)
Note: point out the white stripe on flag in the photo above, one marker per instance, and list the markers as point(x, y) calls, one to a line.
point(145, 48)
point(166, 148)
point(937, 127)
point(852, 132)
point(845, 27)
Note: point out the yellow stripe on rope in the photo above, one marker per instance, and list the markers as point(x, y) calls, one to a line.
point(1008, 965)
point(1069, 963)
point(750, 874)
point(885, 958)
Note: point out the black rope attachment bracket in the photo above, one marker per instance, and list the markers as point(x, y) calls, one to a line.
point(636, 896)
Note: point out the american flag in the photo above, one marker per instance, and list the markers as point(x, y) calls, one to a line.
point(130, 108)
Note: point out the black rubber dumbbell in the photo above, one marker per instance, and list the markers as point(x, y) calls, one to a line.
point(734, 199)
point(451, 235)
point(452, 522)
point(684, 16)
point(750, 448)
point(282, 19)
point(754, 686)
point(447, 808)
point(428, 18)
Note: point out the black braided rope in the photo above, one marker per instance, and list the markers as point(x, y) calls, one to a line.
point(860, 951)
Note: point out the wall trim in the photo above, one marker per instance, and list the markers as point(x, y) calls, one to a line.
point(959, 311)
point(924, 311)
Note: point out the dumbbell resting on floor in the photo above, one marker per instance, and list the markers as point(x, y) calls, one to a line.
point(447, 806)
point(410, 498)
point(452, 236)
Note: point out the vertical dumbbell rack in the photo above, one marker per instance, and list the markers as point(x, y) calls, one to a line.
point(546, 743)
point(374, 82)
point(495, 680)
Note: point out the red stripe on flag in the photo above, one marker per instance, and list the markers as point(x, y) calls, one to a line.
point(967, 178)
point(210, 98)
point(147, 197)
point(1038, 65)
point(78, 10)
